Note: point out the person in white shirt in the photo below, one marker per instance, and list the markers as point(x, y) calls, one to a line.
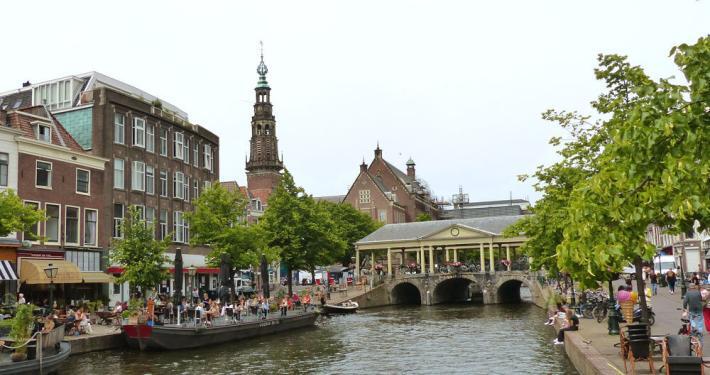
point(21, 299)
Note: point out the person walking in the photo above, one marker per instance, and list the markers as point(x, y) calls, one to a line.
point(654, 282)
point(693, 304)
point(671, 279)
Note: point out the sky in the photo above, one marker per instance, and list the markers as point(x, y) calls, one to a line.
point(458, 86)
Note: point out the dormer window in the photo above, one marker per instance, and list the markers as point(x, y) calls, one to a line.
point(42, 132)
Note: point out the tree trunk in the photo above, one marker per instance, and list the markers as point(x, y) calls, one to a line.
point(641, 288)
point(313, 275)
point(289, 281)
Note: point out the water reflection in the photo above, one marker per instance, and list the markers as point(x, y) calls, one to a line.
point(493, 339)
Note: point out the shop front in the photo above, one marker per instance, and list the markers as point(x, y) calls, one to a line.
point(8, 269)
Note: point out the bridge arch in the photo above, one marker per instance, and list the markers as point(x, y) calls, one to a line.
point(406, 293)
point(508, 289)
point(455, 289)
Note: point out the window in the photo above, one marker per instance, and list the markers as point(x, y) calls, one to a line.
point(44, 174)
point(208, 184)
point(186, 152)
point(141, 212)
point(178, 189)
point(196, 155)
point(87, 261)
point(195, 189)
point(42, 132)
point(139, 132)
point(382, 215)
point(186, 188)
point(91, 218)
point(119, 128)
point(163, 142)
point(150, 219)
point(179, 227)
point(163, 183)
point(55, 95)
point(51, 226)
point(117, 220)
point(118, 173)
point(33, 233)
point(149, 180)
point(178, 145)
point(82, 181)
point(163, 223)
point(71, 226)
point(149, 138)
point(138, 176)
point(364, 196)
point(208, 157)
point(4, 167)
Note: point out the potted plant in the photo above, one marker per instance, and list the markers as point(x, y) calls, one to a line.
point(21, 330)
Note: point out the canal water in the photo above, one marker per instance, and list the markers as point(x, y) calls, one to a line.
point(441, 339)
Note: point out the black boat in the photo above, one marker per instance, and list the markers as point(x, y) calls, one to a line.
point(191, 335)
point(348, 307)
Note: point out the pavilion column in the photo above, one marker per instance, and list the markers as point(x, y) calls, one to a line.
point(419, 257)
point(431, 259)
point(483, 257)
point(404, 259)
point(389, 261)
point(423, 258)
point(491, 261)
point(372, 263)
point(507, 256)
point(357, 265)
point(446, 257)
point(456, 255)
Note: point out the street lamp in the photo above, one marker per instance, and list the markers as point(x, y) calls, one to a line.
point(613, 321)
point(683, 286)
point(191, 271)
point(51, 273)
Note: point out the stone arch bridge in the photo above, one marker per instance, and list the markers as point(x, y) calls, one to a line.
point(487, 288)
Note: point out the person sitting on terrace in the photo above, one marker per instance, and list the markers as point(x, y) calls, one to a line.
point(554, 314)
point(48, 324)
point(284, 306)
point(296, 300)
point(81, 321)
point(306, 301)
point(572, 324)
point(213, 311)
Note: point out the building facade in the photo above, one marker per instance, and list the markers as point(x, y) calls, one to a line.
point(389, 195)
point(158, 161)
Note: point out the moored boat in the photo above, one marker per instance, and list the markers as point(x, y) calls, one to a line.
point(348, 307)
point(191, 335)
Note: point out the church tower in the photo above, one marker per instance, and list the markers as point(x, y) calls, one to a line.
point(264, 165)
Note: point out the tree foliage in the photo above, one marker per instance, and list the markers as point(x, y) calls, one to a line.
point(424, 217)
point(219, 220)
point(14, 215)
point(351, 225)
point(139, 253)
point(643, 163)
point(302, 231)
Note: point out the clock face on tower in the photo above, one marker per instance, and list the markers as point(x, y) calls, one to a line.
point(454, 232)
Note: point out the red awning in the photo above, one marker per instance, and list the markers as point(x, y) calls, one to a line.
point(203, 270)
point(214, 270)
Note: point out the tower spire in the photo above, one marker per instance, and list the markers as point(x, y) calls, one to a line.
point(262, 69)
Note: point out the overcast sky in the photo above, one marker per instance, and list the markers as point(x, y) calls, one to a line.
point(458, 86)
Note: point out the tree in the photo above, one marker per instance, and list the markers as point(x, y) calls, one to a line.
point(141, 256)
point(645, 166)
point(301, 231)
point(14, 215)
point(424, 217)
point(351, 226)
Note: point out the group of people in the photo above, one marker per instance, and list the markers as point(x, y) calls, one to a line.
point(570, 322)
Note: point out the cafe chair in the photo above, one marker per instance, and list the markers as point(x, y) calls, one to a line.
point(682, 355)
point(636, 345)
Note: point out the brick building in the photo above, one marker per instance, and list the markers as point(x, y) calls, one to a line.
point(56, 175)
point(158, 160)
point(389, 194)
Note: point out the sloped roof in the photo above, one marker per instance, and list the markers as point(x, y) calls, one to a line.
point(500, 202)
point(417, 230)
point(401, 175)
point(330, 198)
point(21, 120)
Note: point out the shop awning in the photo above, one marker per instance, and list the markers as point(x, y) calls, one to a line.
point(32, 271)
point(7, 272)
point(96, 278)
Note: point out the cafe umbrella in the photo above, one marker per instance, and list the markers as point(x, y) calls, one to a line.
point(264, 269)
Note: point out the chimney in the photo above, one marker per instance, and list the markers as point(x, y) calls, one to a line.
point(410, 168)
point(363, 166)
point(378, 151)
point(26, 83)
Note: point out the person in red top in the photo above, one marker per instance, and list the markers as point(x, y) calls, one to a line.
point(306, 302)
point(296, 300)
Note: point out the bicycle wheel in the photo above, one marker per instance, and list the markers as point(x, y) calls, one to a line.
point(588, 312)
point(599, 312)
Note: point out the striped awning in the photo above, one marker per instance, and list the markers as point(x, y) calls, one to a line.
point(7, 272)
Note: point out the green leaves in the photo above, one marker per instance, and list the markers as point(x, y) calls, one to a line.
point(14, 215)
point(141, 256)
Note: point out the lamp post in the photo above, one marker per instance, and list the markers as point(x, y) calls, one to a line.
point(191, 272)
point(681, 254)
point(51, 273)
